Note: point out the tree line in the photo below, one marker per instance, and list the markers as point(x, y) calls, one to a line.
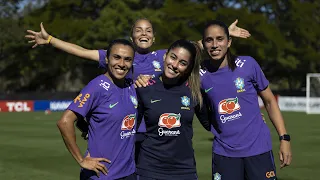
point(284, 36)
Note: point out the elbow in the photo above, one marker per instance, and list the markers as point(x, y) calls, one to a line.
point(62, 123)
point(270, 102)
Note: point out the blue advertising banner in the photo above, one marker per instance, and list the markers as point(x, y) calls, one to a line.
point(58, 105)
point(41, 105)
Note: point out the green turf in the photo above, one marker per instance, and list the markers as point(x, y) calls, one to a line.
point(31, 148)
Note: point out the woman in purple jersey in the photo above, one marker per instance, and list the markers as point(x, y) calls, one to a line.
point(242, 144)
point(109, 104)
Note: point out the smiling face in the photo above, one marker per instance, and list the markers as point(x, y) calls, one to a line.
point(177, 63)
point(120, 61)
point(142, 34)
point(216, 42)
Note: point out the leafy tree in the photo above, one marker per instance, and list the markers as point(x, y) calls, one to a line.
point(284, 36)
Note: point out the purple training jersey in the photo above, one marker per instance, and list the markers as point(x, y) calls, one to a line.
point(241, 131)
point(111, 113)
point(146, 64)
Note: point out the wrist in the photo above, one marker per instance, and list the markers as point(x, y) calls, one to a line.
point(80, 161)
point(49, 39)
point(285, 137)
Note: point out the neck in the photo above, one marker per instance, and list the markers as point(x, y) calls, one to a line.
point(171, 81)
point(117, 82)
point(219, 63)
point(142, 51)
point(224, 62)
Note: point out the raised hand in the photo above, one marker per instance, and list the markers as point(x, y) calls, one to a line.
point(38, 38)
point(95, 164)
point(236, 31)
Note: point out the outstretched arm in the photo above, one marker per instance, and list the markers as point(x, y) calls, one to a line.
point(43, 38)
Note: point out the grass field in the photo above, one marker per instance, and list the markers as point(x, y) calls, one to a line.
point(31, 148)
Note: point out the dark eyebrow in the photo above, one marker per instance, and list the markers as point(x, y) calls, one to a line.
point(116, 55)
point(141, 27)
point(128, 58)
point(173, 54)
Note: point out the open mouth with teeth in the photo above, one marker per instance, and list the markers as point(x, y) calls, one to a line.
point(214, 52)
point(172, 71)
point(143, 40)
point(121, 71)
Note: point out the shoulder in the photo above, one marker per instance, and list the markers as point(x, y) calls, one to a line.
point(100, 84)
point(152, 83)
point(204, 68)
point(159, 53)
point(244, 61)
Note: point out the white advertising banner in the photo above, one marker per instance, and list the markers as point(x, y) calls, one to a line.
point(298, 104)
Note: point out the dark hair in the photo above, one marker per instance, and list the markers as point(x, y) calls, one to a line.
point(230, 56)
point(134, 24)
point(194, 76)
point(119, 41)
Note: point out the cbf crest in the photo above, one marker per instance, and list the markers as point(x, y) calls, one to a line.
point(216, 176)
point(134, 101)
point(239, 83)
point(185, 100)
point(156, 65)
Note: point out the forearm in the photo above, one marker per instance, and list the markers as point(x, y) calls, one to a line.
point(67, 131)
point(203, 116)
point(276, 116)
point(75, 49)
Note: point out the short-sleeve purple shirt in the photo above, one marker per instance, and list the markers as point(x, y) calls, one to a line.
point(146, 64)
point(111, 113)
point(234, 99)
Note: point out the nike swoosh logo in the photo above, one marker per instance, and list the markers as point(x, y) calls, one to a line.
point(157, 100)
point(207, 90)
point(112, 105)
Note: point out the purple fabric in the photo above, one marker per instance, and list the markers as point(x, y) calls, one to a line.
point(234, 99)
point(111, 114)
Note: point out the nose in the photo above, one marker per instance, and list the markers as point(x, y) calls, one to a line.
point(215, 43)
point(175, 64)
point(121, 63)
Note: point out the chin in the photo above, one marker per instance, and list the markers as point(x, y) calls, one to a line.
point(170, 76)
point(215, 58)
point(144, 46)
point(118, 76)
